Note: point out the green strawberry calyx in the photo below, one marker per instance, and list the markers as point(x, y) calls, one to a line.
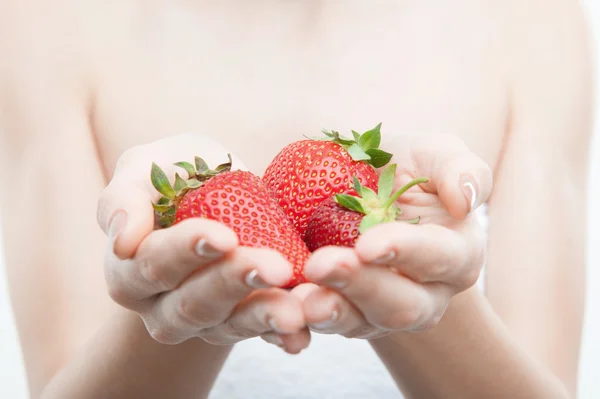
point(378, 207)
point(362, 147)
point(198, 173)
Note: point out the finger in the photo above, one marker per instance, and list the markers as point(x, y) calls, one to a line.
point(426, 253)
point(328, 312)
point(125, 210)
point(462, 180)
point(271, 310)
point(126, 215)
point(166, 257)
point(291, 343)
point(209, 296)
point(302, 291)
point(386, 299)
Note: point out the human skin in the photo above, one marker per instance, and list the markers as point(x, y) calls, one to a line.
point(82, 82)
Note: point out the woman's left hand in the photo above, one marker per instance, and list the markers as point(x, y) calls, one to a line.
point(401, 276)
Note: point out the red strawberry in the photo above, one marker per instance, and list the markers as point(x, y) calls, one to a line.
point(308, 172)
point(238, 199)
point(340, 220)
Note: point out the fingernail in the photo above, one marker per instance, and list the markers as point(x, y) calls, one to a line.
point(205, 250)
point(273, 324)
point(469, 188)
point(253, 280)
point(117, 225)
point(338, 284)
point(327, 324)
point(385, 259)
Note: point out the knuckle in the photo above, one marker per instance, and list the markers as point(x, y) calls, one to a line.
point(191, 313)
point(433, 272)
point(469, 277)
point(376, 334)
point(433, 321)
point(428, 325)
point(155, 275)
point(401, 319)
point(118, 294)
point(164, 335)
point(212, 339)
point(361, 332)
point(242, 331)
point(213, 336)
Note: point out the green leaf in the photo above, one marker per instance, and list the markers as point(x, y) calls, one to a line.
point(337, 138)
point(163, 201)
point(370, 139)
point(370, 220)
point(386, 182)
point(167, 218)
point(357, 153)
point(414, 221)
point(328, 133)
point(357, 186)
point(349, 202)
point(188, 168)
point(378, 158)
point(201, 165)
point(369, 195)
point(193, 183)
point(225, 166)
point(356, 135)
point(160, 182)
point(179, 184)
point(161, 208)
point(344, 142)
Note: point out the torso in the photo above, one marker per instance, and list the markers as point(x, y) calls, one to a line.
point(257, 75)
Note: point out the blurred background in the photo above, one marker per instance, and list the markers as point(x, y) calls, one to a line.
point(12, 379)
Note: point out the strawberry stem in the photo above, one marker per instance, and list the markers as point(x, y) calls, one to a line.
point(165, 208)
point(402, 190)
point(362, 147)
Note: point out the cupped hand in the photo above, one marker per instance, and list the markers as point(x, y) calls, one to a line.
point(191, 280)
point(402, 276)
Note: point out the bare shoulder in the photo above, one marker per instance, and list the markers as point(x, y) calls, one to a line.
point(42, 73)
point(36, 35)
point(552, 67)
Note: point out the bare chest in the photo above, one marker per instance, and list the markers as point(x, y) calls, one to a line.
point(256, 79)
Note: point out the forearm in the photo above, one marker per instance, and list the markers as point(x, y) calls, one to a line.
point(123, 361)
point(470, 354)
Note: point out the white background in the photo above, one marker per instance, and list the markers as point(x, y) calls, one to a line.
point(12, 381)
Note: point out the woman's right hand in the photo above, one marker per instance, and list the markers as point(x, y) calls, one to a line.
point(192, 279)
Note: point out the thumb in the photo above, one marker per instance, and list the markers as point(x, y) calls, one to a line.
point(126, 215)
point(463, 182)
point(461, 179)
